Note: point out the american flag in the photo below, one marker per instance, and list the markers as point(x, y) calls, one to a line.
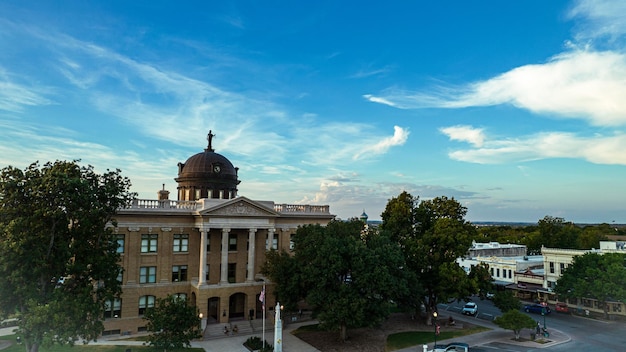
point(262, 297)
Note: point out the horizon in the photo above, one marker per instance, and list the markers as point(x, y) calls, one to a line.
point(515, 109)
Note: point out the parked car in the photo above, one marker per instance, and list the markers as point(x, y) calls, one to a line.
point(489, 295)
point(561, 307)
point(536, 308)
point(470, 308)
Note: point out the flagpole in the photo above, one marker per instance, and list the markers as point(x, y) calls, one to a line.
point(263, 306)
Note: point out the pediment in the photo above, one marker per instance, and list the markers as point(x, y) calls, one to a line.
point(240, 207)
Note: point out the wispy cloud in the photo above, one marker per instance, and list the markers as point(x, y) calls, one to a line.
point(371, 71)
point(597, 149)
point(474, 136)
point(400, 135)
point(15, 96)
point(600, 18)
point(577, 84)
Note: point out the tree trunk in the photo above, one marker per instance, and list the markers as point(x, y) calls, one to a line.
point(31, 347)
point(343, 332)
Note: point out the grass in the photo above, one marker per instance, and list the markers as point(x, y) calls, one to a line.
point(411, 338)
point(86, 348)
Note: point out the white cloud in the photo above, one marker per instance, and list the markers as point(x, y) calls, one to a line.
point(596, 149)
point(14, 96)
point(400, 135)
point(601, 18)
point(474, 136)
point(577, 84)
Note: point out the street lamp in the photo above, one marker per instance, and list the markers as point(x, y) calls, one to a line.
point(543, 312)
point(436, 331)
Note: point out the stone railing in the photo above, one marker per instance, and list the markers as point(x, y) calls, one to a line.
point(301, 209)
point(163, 204)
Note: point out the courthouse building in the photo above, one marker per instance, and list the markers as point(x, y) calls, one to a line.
point(208, 246)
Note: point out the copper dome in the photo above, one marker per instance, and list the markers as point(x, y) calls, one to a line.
point(207, 175)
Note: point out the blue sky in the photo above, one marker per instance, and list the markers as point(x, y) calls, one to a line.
point(515, 108)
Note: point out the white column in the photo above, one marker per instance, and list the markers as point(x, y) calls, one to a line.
point(251, 252)
point(270, 239)
point(224, 273)
point(202, 272)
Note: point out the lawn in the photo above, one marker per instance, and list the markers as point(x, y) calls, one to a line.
point(86, 348)
point(411, 338)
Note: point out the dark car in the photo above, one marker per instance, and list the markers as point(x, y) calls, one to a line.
point(536, 308)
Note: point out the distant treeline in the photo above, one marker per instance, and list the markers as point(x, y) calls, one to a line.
point(552, 232)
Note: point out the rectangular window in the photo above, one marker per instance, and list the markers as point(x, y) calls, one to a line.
point(232, 272)
point(208, 242)
point(208, 272)
point(232, 242)
point(149, 243)
point(510, 274)
point(120, 243)
point(179, 273)
point(291, 243)
point(562, 267)
point(491, 269)
point(113, 309)
point(181, 243)
point(551, 267)
point(275, 242)
point(145, 302)
point(498, 272)
point(147, 274)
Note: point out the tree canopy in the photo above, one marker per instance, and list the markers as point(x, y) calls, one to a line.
point(348, 276)
point(593, 275)
point(432, 234)
point(58, 258)
point(172, 323)
point(516, 321)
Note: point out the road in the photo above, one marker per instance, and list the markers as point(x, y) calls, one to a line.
point(586, 334)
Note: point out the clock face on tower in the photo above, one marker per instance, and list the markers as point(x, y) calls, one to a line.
point(217, 169)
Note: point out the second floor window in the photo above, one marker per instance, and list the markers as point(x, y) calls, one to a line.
point(120, 243)
point(181, 243)
point(147, 274)
point(149, 243)
point(179, 273)
point(232, 242)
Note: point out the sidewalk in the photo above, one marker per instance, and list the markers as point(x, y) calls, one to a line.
point(498, 335)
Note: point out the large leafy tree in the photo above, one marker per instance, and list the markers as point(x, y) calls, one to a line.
point(432, 235)
point(506, 301)
point(350, 277)
point(481, 278)
point(172, 323)
point(287, 276)
point(58, 257)
point(516, 321)
point(597, 276)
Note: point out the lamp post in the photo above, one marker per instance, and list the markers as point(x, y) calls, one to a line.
point(436, 331)
point(543, 312)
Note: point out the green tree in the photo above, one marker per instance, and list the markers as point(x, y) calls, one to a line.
point(282, 269)
point(506, 301)
point(58, 254)
point(173, 323)
point(481, 279)
point(596, 276)
point(516, 321)
point(350, 278)
point(592, 235)
point(432, 235)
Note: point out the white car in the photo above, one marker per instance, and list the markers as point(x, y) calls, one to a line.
point(470, 308)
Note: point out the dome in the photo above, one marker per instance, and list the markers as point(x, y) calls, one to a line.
point(207, 175)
